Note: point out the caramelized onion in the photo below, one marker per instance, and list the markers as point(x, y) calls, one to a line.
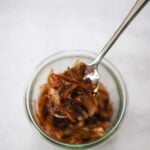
point(67, 94)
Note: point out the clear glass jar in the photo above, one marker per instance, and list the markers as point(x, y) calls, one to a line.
point(109, 76)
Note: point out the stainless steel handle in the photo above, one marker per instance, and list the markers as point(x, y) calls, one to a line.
point(134, 11)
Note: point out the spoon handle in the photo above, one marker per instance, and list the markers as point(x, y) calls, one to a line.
point(131, 15)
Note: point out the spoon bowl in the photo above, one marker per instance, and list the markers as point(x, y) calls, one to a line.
point(91, 73)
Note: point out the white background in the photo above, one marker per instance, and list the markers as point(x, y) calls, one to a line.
point(30, 30)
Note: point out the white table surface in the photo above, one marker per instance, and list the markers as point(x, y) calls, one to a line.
point(32, 29)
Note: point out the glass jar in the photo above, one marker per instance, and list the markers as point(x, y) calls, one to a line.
point(109, 76)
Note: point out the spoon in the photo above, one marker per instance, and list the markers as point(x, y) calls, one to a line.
point(91, 71)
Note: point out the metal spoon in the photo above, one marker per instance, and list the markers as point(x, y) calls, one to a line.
point(92, 69)
point(93, 74)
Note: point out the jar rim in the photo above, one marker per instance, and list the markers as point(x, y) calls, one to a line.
point(121, 87)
